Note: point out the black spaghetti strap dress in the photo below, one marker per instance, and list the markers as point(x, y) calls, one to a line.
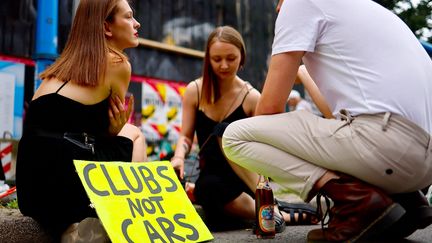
point(217, 183)
point(48, 187)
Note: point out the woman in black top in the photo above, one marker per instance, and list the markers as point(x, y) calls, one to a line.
point(80, 101)
point(219, 96)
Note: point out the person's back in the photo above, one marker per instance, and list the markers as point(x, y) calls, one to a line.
point(59, 113)
point(42, 155)
point(349, 69)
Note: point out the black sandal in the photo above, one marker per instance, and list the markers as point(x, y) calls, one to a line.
point(279, 223)
point(307, 214)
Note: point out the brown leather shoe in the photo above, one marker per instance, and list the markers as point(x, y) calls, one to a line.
point(360, 211)
point(418, 215)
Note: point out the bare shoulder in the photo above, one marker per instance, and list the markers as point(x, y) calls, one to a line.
point(118, 74)
point(192, 92)
point(251, 100)
point(254, 94)
point(47, 86)
point(117, 64)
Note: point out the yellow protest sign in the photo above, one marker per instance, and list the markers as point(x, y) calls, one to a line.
point(141, 202)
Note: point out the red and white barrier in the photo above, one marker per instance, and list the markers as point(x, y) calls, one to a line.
point(6, 158)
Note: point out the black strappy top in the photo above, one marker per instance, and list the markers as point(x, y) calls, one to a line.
point(213, 156)
point(45, 169)
point(57, 113)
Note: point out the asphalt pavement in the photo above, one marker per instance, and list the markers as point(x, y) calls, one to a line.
point(15, 228)
point(297, 234)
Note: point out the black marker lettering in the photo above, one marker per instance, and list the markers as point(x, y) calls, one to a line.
point(124, 227)
point(86, 172)
point(152, 233)
point(135, 207)
point(150, 180)
point(111, 184)
point(173, 186)
point(168, 228)
point(139, 187)
point(195, 234)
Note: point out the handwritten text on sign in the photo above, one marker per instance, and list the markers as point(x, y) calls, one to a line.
point(141, 202)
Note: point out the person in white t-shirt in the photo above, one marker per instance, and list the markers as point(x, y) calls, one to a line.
point(375, 156)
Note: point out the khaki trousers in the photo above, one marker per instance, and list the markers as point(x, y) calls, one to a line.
point(296, 148)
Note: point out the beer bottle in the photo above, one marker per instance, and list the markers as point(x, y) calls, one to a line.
point(264, 209)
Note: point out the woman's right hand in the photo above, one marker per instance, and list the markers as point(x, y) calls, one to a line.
point(119, 114)
point(177, 163)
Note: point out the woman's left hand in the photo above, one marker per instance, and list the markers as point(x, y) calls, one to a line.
point(119, 114)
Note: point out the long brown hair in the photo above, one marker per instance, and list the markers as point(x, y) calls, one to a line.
point(210, 87)
point(85, 56)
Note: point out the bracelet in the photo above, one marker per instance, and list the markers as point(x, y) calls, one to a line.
point(177, 156)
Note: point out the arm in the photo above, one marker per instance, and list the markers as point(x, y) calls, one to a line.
point(279, 82)
point(118, 77)
point(314, 92)
point(184, 142)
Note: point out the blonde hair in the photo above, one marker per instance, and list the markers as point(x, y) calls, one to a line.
point(85, 56)
point(210, 87)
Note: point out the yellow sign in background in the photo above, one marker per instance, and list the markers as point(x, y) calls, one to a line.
point(141, 202)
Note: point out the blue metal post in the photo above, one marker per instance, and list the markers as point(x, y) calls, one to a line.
point(427, 46)
point(46, 36)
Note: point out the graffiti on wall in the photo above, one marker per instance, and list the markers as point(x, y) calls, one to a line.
point(160, 114)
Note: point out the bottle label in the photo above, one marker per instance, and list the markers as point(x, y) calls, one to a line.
point(266, 218)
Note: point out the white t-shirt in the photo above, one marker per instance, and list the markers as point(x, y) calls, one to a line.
point(362, 57)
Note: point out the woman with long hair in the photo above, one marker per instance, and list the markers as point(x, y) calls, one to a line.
point(220, 95)
point(79, 112)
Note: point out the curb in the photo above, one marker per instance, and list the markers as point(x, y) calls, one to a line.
point(16, 228)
